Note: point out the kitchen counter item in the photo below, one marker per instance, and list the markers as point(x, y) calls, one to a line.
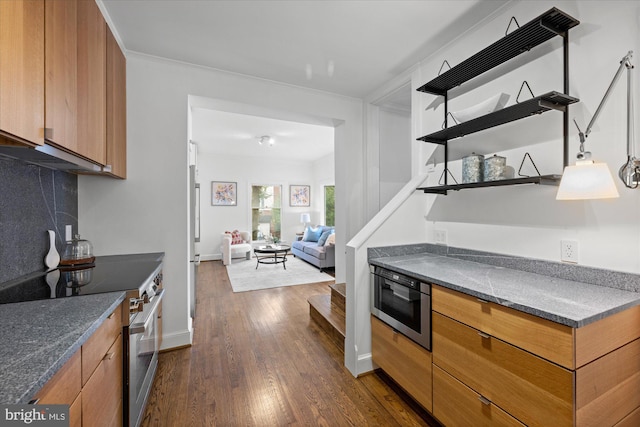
point(77, 252)
point(52, 259)
point(569, 302)
point(472, 168)
point(495, 168)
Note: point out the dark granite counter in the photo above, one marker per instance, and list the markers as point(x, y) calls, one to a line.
point(39, 337)
point(554, 292)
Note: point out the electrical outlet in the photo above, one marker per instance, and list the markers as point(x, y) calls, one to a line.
point(68, 233)
point(440, 237)
point(570, 251)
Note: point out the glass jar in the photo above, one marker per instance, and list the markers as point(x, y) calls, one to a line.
point(78, 251)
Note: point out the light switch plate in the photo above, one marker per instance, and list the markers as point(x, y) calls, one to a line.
point(440, 237)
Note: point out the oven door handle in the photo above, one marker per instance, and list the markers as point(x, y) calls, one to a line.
point(141, 327)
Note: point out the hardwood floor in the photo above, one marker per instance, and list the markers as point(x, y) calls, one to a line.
point(257, 360)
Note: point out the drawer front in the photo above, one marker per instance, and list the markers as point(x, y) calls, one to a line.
point(65, 385)
point(403, 360)
point(547, 339)
point(455, 404)
point(75, 412)
point(94, 349)
point(531, 389)
point(631, 420)
point(102, 394)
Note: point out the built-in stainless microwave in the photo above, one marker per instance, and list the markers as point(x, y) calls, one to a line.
point(402, 302)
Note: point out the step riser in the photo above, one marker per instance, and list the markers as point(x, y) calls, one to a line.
point(324, 324)
point(338, 299)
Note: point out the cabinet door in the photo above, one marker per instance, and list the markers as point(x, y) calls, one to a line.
point(61, 65)
point(116, 108)
point(22, 69)
point(529, 388)
point(92, 82)
point(102, 394)
point(455, 404)
point(405, 361)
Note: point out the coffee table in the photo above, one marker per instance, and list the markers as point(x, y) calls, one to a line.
point(272, 254)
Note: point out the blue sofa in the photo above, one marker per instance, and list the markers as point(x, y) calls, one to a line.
point(320, 254)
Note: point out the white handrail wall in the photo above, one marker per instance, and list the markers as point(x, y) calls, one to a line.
point(401, 221)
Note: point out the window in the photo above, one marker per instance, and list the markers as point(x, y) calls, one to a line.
point(330, 205)
point(265, 211)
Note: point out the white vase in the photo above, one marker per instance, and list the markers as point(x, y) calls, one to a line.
point(53, 257)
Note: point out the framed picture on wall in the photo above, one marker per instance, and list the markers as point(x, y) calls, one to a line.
point(300, 195)
point(223, 193)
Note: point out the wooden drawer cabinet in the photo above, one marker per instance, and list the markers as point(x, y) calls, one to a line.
point(403, 360)
point(102, 394)
point(97, 346)
point(528, 387)
point(91, 382)
point(455, 404)
point(542, 337)
point(539, 372)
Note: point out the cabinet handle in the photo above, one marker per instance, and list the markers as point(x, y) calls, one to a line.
point(111, 315)
point(483, 335)
point(109, 356)
point(484, 400)
point(480, 300)
point(34, 401)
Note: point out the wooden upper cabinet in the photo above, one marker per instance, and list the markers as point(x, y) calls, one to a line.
point(22, 98)
point(116, 108)
point(92, 82)
point(61, 67)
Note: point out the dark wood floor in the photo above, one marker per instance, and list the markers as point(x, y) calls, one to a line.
point(257, 360)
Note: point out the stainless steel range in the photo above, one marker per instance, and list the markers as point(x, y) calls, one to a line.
point(140, 275)
point(141, 349)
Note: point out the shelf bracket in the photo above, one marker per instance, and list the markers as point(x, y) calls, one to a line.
point(442, 66)
point(513, 19)
point(445, 125)
point(522, 164)
point(520, 91)
point(442, 175)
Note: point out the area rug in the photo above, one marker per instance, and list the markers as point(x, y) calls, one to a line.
point(244, 276)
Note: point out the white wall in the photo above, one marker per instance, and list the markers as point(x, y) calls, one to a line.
point(248, 171)
point(395, 152)
point(324, 174)
point(148, 211)
point(520, 220)
point(527, 220)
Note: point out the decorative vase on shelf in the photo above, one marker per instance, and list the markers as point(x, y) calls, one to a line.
point(53, 257)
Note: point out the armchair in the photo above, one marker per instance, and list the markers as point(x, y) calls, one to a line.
point(237, 250)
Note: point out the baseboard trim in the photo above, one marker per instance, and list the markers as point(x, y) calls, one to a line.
point(176, 340)
point(211, 257)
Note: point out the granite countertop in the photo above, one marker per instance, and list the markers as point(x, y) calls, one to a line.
point(568, 302)
point(39, 337)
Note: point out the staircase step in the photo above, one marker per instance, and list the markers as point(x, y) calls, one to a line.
point(338, 294)
point(329, 317)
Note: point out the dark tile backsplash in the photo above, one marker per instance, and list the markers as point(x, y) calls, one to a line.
point(33, 200)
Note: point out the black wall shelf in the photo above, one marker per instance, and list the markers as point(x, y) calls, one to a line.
point(550, 24)
point(538, 105)
point(535, 32)
point(543, 179)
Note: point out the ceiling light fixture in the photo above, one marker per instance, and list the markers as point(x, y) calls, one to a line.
point(589, 180)
point(266, 139)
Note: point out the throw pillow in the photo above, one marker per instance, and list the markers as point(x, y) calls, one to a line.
point(311, 234)
point(331, 240)
point(236, 238)
point(323, 238)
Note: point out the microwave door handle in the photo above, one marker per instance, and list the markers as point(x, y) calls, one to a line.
point(141, 327)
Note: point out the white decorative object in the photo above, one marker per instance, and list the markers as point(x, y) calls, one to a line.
point(53, 257)
point(490, 105)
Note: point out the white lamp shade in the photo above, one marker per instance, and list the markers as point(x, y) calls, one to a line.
point(305, 218)
point(587, 180)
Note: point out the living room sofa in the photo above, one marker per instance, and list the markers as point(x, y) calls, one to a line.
point(317, 247)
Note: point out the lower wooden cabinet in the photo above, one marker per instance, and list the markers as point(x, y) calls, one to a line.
point(403, 360)
point(455, 404)
point(91, 382)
